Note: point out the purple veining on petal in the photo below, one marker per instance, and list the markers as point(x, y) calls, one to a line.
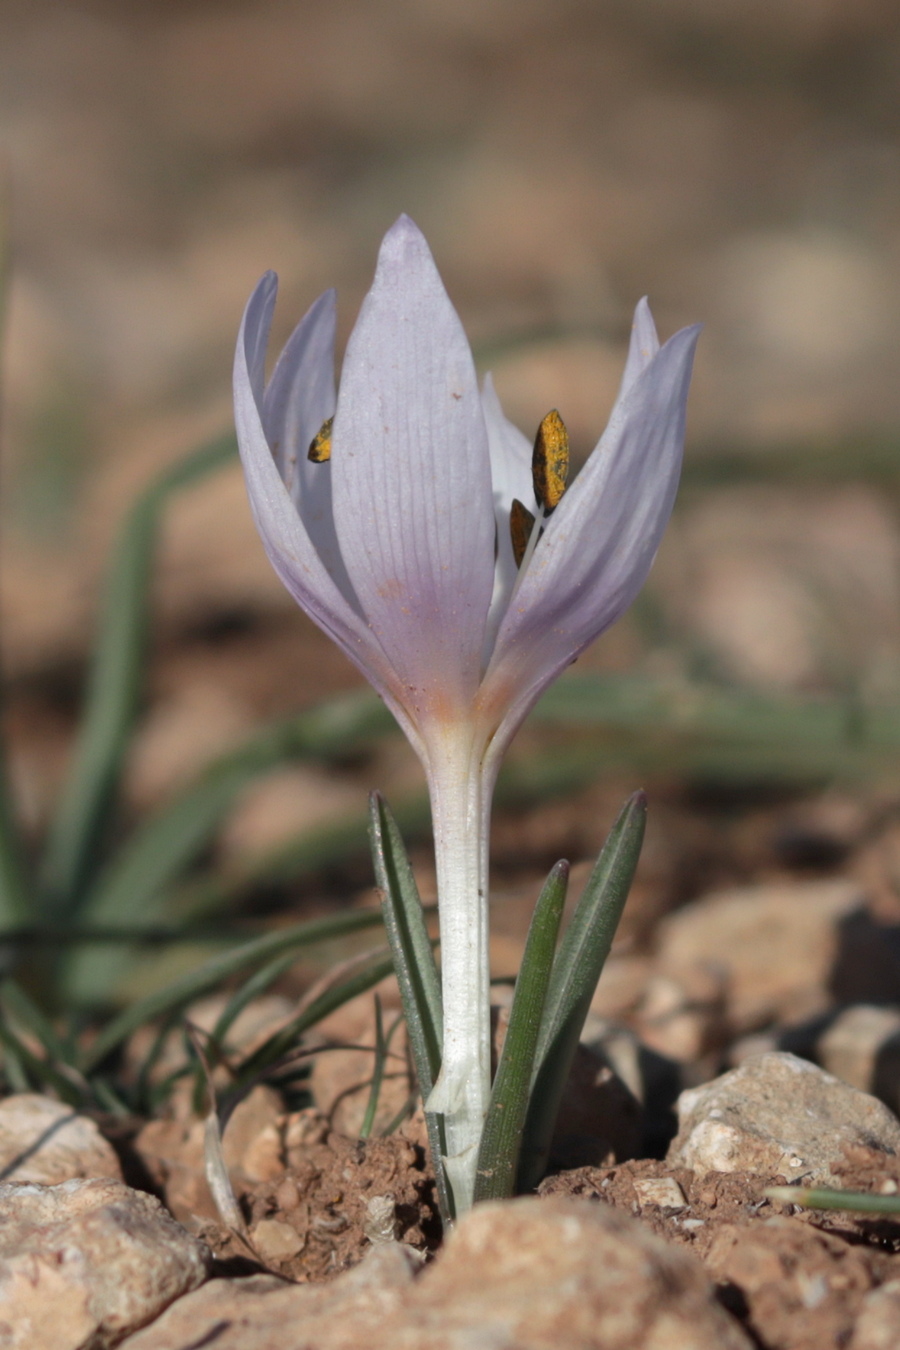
point(600, 543)
point(411, 479)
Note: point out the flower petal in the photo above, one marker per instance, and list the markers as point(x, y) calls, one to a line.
point(285, 538)
point(411, 479)
point(600, 543)
point(642, 348)
point(510, 453)
point(300, 395)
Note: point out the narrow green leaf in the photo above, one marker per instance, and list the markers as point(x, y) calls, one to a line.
point(198, 982)
point(17, 899)
point(501, 1139)
point(27, 1072)
point(135, 884)
point(21, 1007)
point(114, 687)
point(404, 920)
point(573, 980)
point(820, 1197)
point(281, 1042)
point(416, 971)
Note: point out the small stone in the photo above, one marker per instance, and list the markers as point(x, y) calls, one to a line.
point(276, 1241)
point(878, 1323)
point(751, 937)
point(381, 1223)
point(287, 1197)
point(862, 1046)
point(662, 1191)
point(86, 1262)
point(45, 1141)
point(778, 1115)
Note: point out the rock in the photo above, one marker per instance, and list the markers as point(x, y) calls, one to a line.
point(275, 1241)
point(662, 1191)
point(262, 1312)
point(778, 1115)
point(527, 1274)
point(173, 1153)
point(859, 1044)
point(684, 1018)
point(878, 1324)
point(86, 1262)
point(45, 1141)
point(799, 1287)
point(751, 937)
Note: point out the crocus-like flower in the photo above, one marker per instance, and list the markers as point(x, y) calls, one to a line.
point(391, 528)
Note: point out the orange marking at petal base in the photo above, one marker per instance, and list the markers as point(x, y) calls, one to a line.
point(320, 446)
point(550, 461)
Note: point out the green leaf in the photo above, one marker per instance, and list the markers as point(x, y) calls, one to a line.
point(183, 991)
point(281, 1042)
point(20, 1006)
point(134, 886)
point(416, 971)
point(17, 896)
point(501, 1139)
point(382, 1049)
point(573, 980)
point(114, 688)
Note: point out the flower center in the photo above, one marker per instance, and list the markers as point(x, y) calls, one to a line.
point(320, 445)
point(549, 474)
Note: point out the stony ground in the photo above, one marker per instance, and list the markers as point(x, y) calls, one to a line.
point(563, 160)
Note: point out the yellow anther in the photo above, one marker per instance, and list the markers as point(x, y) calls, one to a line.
point(550, 461)
point(320, 446)
point(521, 523)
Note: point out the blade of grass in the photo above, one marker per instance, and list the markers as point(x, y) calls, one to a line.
point(281, 1042)
point(114, 687)
point(573, 980)
point(27, 1072)
point(382, 1050)
point(16, 897)
point(819, 1197)
point(20, 1006)
point(197, 982)
point(416, 971)
point(134, 885)
point(380, 1060)
point(501, 1139)
point(258, 983)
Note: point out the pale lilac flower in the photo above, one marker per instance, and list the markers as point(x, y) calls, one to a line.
point(398, 547)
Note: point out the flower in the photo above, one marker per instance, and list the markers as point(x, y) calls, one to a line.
point(395, 538)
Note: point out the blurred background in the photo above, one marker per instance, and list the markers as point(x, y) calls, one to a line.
point(739, 163)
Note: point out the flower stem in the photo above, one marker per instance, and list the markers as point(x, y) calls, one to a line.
point(460, 808)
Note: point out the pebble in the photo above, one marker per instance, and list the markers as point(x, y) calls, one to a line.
point(778, 1115)
point(878, 1323)
point(529, 1274)
point(750, 937)
point(85, 1262)
point(45, 1141)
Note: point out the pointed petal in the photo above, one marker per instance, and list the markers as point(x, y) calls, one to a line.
point(300, 395)
point(600, 543)
point(284, 537)
point(642, 348)
point(411, 478)
point(510, 453)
